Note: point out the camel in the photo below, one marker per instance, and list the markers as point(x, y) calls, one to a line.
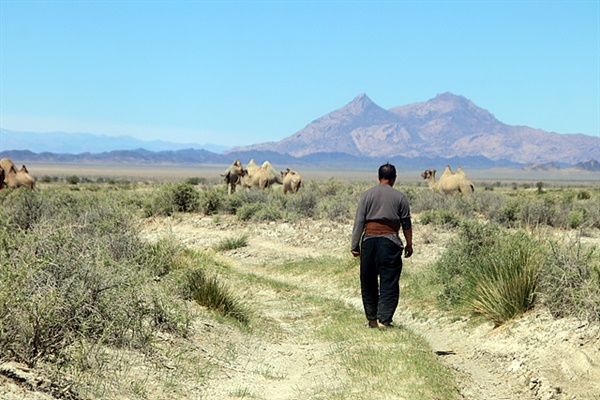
point(252, 167)
point(261, 177)
point(15, 179)
point(5, 165)
point(291, 181)
point(449, 182)
point(233, 175)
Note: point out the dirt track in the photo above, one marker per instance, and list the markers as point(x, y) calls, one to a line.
point(535, 357)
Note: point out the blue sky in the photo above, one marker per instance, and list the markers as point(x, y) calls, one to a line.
point(244, 72)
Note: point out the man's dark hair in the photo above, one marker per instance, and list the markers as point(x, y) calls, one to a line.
point(387, 171)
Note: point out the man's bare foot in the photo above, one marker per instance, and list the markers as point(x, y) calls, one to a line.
point(372, 324)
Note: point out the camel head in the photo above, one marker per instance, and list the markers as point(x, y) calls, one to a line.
point(428, 174)
point(285, 172)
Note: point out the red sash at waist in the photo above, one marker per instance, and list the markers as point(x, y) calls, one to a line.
point(381, 227)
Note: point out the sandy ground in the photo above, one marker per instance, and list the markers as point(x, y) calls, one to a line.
point(535, 357)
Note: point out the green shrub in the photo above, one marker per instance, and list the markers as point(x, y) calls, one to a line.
point(584, 195)
point(575, 218)
point(268, 212)
point(303, 203)
point(538, 211)
point(338, 208)
point(210, 200)
point(195, 181)
point(161, 202)
point(186, 198)
point(72, 180)
point(22, 208)
point(247, 211)
point(492, 272)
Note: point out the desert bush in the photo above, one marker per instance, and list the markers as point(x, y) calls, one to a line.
point(575, 218)
point(490, 271)
point(537, 211)
point(22, 208)
point(72, 180)
point(187, 198)
point(209, 200)
point(331, 187)
point(440, 217)
point(247, 211)
point(269, 212)
point(79, 272)
point(160, 202)
point(304, 203)
point(171, 198)
point(341, 208)
point(570, 285)
point(427, 199)
point(584, 195)
point(195, 181)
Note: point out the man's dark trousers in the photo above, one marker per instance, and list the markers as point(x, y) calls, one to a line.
point(380, 258)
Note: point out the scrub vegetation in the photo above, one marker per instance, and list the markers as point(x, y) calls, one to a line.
point(80, 283)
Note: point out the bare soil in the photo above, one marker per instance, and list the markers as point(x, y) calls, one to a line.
point(534, 357)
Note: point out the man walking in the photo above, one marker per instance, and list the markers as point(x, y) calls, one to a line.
point(381, 212)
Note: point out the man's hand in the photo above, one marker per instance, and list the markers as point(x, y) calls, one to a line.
point(355, 253)
point(408, 250)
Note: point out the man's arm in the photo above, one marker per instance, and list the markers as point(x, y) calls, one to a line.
point(359, 227)
point(408, 249)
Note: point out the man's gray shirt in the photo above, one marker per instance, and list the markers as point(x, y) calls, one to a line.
point(381, 203)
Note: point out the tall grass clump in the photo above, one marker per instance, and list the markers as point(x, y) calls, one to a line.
point(206, 289)
point(77, 271)
point(492, 272)
point(232, 243)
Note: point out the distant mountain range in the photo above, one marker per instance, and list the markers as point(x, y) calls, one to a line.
point(444, 127)
point(447, 129)
point(75, 143)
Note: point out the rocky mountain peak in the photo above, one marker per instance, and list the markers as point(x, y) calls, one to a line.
point(360, 104)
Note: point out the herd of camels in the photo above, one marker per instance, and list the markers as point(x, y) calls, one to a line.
point(259, 177)
point(264, 176)
point(13, 178)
